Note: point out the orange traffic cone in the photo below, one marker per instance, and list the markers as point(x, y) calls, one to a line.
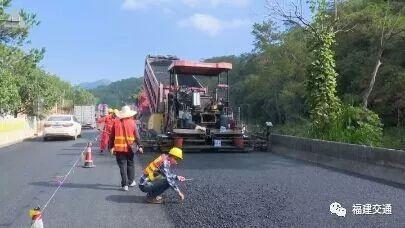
point(88, 161)
point(36, 218)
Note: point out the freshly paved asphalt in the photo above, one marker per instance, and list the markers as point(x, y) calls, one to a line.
point(89, 197)
point(227, 190)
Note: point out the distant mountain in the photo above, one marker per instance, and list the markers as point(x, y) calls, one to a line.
point(93, 85)
point(118, 93)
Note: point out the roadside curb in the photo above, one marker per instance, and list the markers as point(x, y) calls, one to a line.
point(20, 140)
point(379, 163)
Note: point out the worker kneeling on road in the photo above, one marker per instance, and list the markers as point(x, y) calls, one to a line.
point(157, 177)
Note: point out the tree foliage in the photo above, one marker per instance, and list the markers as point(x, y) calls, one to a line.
point(273, 78)
point(321, 83)
point(25, 87)
point(118, 93)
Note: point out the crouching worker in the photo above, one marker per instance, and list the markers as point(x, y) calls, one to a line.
point(157, 177)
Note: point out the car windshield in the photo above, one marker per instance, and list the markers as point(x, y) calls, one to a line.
point(59, 118)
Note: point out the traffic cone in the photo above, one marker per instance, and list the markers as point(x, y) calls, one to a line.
point(88, 161)
point(36, 218)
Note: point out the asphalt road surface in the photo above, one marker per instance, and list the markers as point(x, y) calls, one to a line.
point(89, 197)
point(227, 190)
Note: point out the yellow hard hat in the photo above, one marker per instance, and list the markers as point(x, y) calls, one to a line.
point(176, 152)
point(34, 212)
point(116, 111)
point(110, 110)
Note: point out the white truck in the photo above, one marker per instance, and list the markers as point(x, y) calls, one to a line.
point(86, 115)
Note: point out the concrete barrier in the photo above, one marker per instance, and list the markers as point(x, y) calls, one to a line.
point(14, 130)
point(381, 163)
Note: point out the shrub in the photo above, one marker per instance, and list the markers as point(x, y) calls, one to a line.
point(356, 125)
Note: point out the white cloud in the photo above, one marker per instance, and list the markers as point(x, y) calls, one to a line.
point(192, 3)
point(141, 4)
point(216, 3)
point(168, 11)
point(210, 24)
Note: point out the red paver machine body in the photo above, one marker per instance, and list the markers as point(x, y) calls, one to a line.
point(185, 112)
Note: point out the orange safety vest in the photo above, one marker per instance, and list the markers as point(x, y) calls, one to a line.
point(124, 134)
point(109, 121)
point(153, 167)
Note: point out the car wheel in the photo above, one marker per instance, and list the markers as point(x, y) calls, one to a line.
point(45, 138)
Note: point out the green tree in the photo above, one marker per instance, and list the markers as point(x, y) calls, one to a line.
point(321, 84)
point(9, 97)
point(385, 21)
point(265, 34)
point(118, 93)
point(358, 57)
point(83, 97)
point(11, 34)
point(15, 30)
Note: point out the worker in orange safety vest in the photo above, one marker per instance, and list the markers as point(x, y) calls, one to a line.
point(157, 176)
point(105, 134)
point(124, 142)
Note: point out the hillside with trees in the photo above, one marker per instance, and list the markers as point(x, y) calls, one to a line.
point(339, 76)
point(118, 93)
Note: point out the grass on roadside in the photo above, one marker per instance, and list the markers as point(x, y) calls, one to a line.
point(393, 137)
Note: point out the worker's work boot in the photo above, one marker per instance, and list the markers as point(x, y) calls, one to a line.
point(154, 200)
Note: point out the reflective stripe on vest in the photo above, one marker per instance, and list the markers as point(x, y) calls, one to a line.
point(122, 143)
point(153, 167)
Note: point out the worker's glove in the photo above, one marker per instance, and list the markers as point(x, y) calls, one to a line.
point(140, 149)
point(181, 178)
point(203, 129)
point(112, 152)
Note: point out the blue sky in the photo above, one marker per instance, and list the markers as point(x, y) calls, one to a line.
point(109, 39)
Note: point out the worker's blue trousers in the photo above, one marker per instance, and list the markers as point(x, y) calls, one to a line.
point(156, 187)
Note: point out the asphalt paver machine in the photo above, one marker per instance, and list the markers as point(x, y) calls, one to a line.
point(189, 106)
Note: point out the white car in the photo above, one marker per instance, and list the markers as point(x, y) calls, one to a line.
point(62, 126)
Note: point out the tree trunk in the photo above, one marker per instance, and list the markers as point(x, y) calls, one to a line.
point(278, 110)
point(336, 10)
point(372, 79)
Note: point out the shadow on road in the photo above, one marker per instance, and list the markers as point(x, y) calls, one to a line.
point(126, 199)
point(76, 185)
point(69, 154)
point(349, 173)
point(72, 149)
point(82, 145)
point(233, 161)
point(36, 139)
